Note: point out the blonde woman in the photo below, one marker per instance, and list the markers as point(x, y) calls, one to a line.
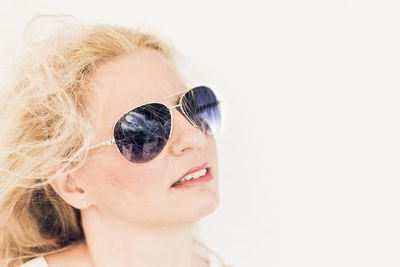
point(107, 157)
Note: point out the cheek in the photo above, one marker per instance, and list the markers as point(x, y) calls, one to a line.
point(122, 180)
point(128, 192)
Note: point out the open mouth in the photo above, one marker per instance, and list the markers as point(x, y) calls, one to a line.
point(193, 177)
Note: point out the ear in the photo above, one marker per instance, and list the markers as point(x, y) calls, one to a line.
point(67, 188)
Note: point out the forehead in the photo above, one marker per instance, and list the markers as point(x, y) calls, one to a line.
point(131, 80)
point(143, 76)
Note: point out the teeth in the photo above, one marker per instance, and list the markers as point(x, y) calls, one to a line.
point(192, 176)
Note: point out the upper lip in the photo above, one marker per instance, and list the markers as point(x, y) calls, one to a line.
point(194, 169)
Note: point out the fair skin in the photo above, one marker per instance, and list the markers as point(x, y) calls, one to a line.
point(130, 213)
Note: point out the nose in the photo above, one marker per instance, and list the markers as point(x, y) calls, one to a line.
point(185, 137)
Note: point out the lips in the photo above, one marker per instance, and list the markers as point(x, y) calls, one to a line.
point(194, 169)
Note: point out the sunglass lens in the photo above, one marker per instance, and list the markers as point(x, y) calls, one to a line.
point(142, 133)
point(203, 108)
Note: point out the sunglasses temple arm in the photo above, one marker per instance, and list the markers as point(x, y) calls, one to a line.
point(107, 143)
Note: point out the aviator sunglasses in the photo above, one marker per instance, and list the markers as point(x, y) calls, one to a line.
point(141, 133)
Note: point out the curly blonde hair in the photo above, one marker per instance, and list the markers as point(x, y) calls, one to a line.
point(45, 131)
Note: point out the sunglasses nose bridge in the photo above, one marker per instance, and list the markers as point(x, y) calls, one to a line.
point(182, 112)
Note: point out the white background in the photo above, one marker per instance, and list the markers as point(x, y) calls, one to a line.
point(310, 150)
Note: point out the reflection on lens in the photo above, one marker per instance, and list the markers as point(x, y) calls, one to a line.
point(202, 107)
point(142, 133)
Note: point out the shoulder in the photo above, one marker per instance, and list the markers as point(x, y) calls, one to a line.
point(36, 262)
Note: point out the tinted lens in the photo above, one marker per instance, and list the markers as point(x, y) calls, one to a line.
point(202, 107)
point(142, 133)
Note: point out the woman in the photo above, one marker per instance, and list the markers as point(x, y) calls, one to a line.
point(107, 157)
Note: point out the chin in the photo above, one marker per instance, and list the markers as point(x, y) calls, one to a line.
point(203, 207)
point(209, 206)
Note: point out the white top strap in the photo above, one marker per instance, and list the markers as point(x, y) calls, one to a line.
point(212, 259)
point(36, 262)
point(203, 252)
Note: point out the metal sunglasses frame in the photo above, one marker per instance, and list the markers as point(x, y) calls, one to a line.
point(184, 92)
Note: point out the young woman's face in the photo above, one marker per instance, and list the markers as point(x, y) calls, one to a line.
point(141, 192)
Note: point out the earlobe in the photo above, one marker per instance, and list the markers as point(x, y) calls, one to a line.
point(66, 187)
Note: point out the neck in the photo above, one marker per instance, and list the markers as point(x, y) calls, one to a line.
point(115, 243)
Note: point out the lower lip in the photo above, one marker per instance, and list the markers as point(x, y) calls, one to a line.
point(194, 182)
